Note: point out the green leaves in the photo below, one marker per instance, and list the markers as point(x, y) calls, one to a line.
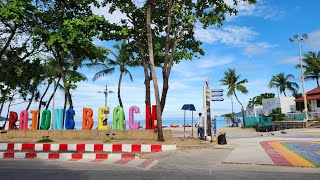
point(232, 80)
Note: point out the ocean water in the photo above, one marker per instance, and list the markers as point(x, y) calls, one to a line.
point(221, 123)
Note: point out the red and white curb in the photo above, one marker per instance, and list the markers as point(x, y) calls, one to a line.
point(65, 156)
point(134, 148)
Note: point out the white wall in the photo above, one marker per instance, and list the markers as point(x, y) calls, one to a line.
point(255, 111)
point(287, 104)
point(314, 107)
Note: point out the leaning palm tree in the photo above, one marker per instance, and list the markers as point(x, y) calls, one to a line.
point(281, 82)
point(312, 66)
point(232, 80)
point(122, 60)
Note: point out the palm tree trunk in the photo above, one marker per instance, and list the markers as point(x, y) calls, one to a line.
point(40, 103)
point(30, 101)
point(153, 71)
point(318, 81)
point(53, 93)
point(284, 92)
point(242, 109)
point(64, 107)
point(119, 89)
point(4, 125)
point(1, 107)
point(64, 79)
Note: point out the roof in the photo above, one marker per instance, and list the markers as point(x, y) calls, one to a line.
point(189, 107)
point(309, 97)
point(314, 94)
point(314, 91)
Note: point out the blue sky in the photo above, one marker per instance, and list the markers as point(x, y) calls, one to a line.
point(255, 43)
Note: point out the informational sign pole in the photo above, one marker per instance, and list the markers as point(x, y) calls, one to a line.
point(207, 109)
point(216, 95)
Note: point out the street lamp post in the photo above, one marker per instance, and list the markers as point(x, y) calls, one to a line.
point(106, 92)
point(298, 40)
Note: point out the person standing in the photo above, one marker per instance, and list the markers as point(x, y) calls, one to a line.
point(201, 125)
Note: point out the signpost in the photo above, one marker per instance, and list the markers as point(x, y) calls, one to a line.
point(208, 96)
point(217, 99)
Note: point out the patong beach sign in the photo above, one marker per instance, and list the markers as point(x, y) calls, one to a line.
point(87, 119)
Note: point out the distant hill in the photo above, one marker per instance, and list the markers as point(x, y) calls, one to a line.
point(239, 114)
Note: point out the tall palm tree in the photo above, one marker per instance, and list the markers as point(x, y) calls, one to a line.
point(281, 82)
point(232, 80)
point(312, 66)
point(122, 60)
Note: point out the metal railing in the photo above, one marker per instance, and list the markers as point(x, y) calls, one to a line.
point(302, 116)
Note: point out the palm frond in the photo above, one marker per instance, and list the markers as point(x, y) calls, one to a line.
point(102, 73)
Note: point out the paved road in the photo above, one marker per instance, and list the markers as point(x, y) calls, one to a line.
point(200, 164)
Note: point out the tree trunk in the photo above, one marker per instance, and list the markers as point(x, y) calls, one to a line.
point(40, 103)
point(119, 89)
point(30, 101)
point(64, 107)
point(318, 82)
point(1, 107)
point(147, 80)
point(153, 72)
point(284, 92)
point(67, 90)
point(4, 125)
point(53, 93)
point(165, 88)
point(242, 109)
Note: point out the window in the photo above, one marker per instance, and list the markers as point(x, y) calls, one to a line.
point(318, 103)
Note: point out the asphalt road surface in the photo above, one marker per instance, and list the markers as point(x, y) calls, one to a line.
point(202, 164)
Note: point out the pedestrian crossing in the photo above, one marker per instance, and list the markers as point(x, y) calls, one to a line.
point(141, 164)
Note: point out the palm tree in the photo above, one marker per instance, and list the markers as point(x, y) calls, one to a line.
point(122, 60)
point(312, 66)
point(232, 80)
point(281, 82)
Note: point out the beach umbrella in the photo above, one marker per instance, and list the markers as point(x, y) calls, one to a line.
point(188, 107)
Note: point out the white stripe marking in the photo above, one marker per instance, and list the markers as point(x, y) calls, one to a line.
point(72, 147)
point(38, 147)
point(18, 146)
point(145, 148)
point(54, 147)
point(107, 147)
point(169, 147)
point(3, 146)
point(126, 148)
point(89, 147)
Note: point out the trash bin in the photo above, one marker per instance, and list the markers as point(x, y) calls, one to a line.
point(222, 139)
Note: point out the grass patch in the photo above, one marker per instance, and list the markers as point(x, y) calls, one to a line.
point(45, 140)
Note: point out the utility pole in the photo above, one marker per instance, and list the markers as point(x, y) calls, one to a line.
point(106, 92)
point(298, 40)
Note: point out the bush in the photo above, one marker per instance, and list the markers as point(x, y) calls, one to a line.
point(277, 115)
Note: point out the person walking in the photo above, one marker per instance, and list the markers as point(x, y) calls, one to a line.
point(201, 125)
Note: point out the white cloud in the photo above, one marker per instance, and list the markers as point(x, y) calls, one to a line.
point(261, 9)
point(235, 36)
point(214, 62)
point(289, 60)
point(314, 40)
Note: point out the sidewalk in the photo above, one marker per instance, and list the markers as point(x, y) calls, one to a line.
point(296, 148)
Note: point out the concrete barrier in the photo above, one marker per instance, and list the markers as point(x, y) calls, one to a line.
point(86, 134)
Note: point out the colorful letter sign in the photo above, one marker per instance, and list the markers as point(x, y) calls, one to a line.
point(24, 116)
point(132, 110)
point(45, 119)
point(69, 119)
point(151, 118)
point(34, 119)
point(58, 118)
point(13, 117)
point(87, 121)
point(118, 118)
point(102, 116)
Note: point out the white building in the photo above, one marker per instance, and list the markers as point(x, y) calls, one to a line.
point(287, 105)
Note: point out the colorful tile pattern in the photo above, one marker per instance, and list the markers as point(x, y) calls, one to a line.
point(293, 153)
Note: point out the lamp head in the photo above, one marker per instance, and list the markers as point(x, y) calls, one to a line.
point(295, 36)
point(291, 40)
point(305, 36)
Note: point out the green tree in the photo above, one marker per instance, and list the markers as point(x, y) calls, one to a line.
point(282, 82)
point(277, 115)
point(232, 80)
point(172, 37)
point(257, 100)
point(123, 60)
point(311, 66)
point(67, 29)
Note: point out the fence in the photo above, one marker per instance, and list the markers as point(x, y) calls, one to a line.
point(255, 121)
